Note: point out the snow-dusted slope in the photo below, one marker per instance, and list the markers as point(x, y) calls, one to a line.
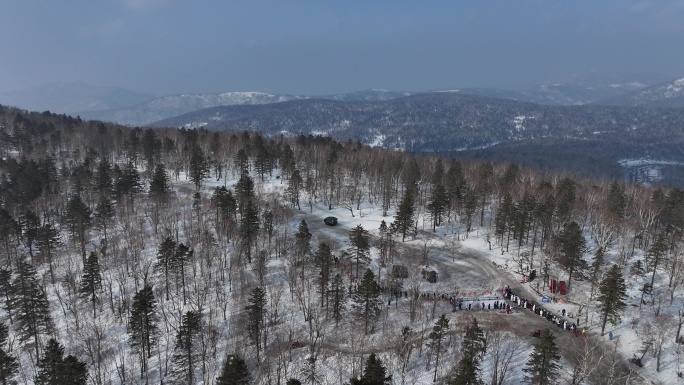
point(670, 94)
point(174, 105)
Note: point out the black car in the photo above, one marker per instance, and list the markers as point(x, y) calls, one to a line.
point(330, 221)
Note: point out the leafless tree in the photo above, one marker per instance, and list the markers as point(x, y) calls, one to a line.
point(502, 348)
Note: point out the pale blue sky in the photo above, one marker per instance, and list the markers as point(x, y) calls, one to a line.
point(322, 47)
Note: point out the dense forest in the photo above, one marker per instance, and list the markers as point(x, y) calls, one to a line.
point(182, 256)
point(589, 140)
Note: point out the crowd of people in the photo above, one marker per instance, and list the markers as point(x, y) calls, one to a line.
point(561, 322)
point(492, 301)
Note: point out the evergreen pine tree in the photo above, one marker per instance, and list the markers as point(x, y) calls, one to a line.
point(503, 219)
point(159, 185)
point(48, 241)
point(437, 205)
point(181, 258)
point(455, 182)
point(75, 372)
point(199, 168)
point(165, 255)
point(612, 295)
point(302, 241)
point(293, 188)
point(337, 297)
point(595, 267)
point(234, 372)
point(436, 336)
point(509, 176)
point(31, 305)
point(374, 373)
point(104, 212)
point(30, 223)
point(249, 227)
point(7, 291)
point(142, 325)
point(410, 174)
point(149, 144)
point(324, 261)
point(479, 193)
point(542, 367)
point(127, 181)
point(359, 241)
point(438, 172)
point(255, 316)
point(244, 191)
point(103, 177)
point(79, 221)
point(225, 203)
point(367, 299)
point(287, 161)
point(55, 369)
point(524, 211)
point(262, 159)
point(617, 201)
point(572, 245)
point(473, 348)
point(8, 230)
point(9, 366)
point(242, 161)
point(385, 242)
point(403, 219)
point(565, 198)
point(470, 199)
point(187, 348)
point(656, 255)
point(92, 280)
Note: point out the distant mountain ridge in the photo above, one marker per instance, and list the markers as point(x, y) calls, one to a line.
point(176, 105)
point(126, 107)
point(73, 98)
point(669, 94)
point(173, 105)
point(441, 121)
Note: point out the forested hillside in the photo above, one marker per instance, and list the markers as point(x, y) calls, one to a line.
point(134, 256)
point(442, 121)
point(590, 140)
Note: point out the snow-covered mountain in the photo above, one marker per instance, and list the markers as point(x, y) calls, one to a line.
point(439, 121)
point(670, 94)
point(72, 98)
point(174, 105)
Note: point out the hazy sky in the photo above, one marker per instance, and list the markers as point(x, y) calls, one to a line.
point(321, 47)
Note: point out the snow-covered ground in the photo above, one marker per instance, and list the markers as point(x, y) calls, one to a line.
point(447, 246)
point(471, 267)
